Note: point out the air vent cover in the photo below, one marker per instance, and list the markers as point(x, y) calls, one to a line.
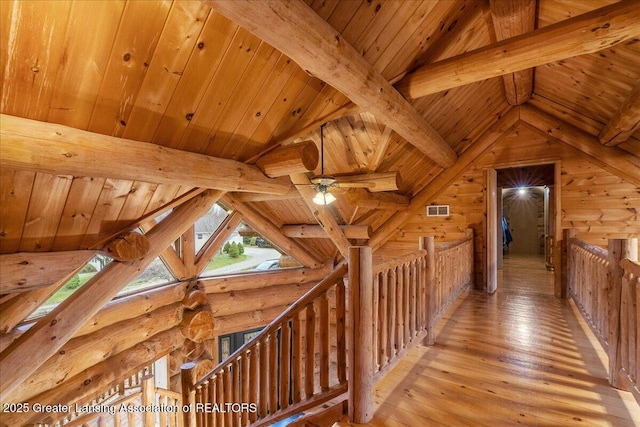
point(438, 210)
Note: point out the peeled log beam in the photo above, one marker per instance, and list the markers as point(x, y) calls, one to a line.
point(613, 159)
point(588, 33)
point(131, 246)
point(256, 197)
point(314, 231)
point(297, 31)
point(624, 122)
point(512, 18)
point(57, 149)
point(255, 281)
point(88, 350)
point(197, 325)
point(374, 182)
point(94, 380)
point(288, 159)
point(46, 337)
point(26, 271)
point(364, 199)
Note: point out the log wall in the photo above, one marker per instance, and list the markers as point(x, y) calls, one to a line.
point(596, 203)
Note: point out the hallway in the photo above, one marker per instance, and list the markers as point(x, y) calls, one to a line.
point(518, 357)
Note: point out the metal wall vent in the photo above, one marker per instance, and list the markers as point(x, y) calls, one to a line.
point(438, 210)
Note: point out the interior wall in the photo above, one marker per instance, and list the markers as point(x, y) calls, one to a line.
point(598, 204)
point(525, 217)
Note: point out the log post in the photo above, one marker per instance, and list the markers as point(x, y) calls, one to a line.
point(360, 334)
point(618, 250)
point(148, 398)
point(187, 374)
point(428, 244)
point(563, 275)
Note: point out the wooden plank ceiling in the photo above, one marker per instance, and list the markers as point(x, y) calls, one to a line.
point(181, 75)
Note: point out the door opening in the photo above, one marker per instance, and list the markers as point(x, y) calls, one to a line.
point(521, 220)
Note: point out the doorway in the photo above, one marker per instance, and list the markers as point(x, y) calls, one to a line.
point(522, 207)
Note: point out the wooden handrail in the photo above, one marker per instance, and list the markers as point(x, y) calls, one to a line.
point(311, 294)
point(452, 244)
point(399, 261)
point(630, 267)
point(592, 249)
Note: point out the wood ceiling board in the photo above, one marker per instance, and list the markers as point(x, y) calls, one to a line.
point(134, 46)
point(552, 11)
point(136, 202)
point(105, 215)
point(467, 29)
point(45, 209)
point(256, 115)
point(179, 37)
point(370, 19)
point(78, 210)
point(164, 194)
point(229, 135)
point(15, 192)
point(208, 116)
point(455, 113)
point(203, 66)
point(87, 46)
point(419, 38)
point(32, 55)
point(406, 18)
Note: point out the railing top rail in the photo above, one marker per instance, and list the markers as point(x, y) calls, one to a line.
point(632, 267)
point(441, 247)
point(592, 249)
point(311, 294)
point(399, 261)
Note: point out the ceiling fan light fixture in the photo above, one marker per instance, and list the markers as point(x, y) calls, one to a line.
point(323, 197)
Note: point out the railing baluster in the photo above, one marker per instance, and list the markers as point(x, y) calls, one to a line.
point(246, 375)
point(264, 377)
point(382, 318)
point(323, 327)
point(310, 351)
point(273, 372)
point(296, 369)
point(341, 331)
point(391, 347)
point(254, 382)
point(285, 364)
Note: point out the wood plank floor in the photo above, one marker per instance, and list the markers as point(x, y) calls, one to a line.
point(518, 357)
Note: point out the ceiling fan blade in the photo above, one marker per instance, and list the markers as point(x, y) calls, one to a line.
point(374, 182)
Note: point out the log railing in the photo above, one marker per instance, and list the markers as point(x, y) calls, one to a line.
point(604, 285)
point(298, 361)
point(588, 267)
point(399, 308)
point(147, 407)
point(628, 363)
point(413, 292)
point(454, 273)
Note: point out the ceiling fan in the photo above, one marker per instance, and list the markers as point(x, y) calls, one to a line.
point(371, 181)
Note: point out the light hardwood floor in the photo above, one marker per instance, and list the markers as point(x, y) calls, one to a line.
point(518, 357)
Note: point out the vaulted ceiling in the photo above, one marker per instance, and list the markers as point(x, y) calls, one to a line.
point(405, 86)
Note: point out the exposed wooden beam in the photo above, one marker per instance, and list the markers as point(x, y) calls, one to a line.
point(375, 181)
point(257, 197)
point(26, 271)
point(272, 232)
point(512, 18)
point(169, 257)
point(57, 149)
point(15, 310)
point(587, 33)
point(364, 199)
point(50, 333)
point(613, 159)
point(288, 159)
point(624, 122)
point(296, 30)
point(444, 179)
point(322, 214)
point(315, 231)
